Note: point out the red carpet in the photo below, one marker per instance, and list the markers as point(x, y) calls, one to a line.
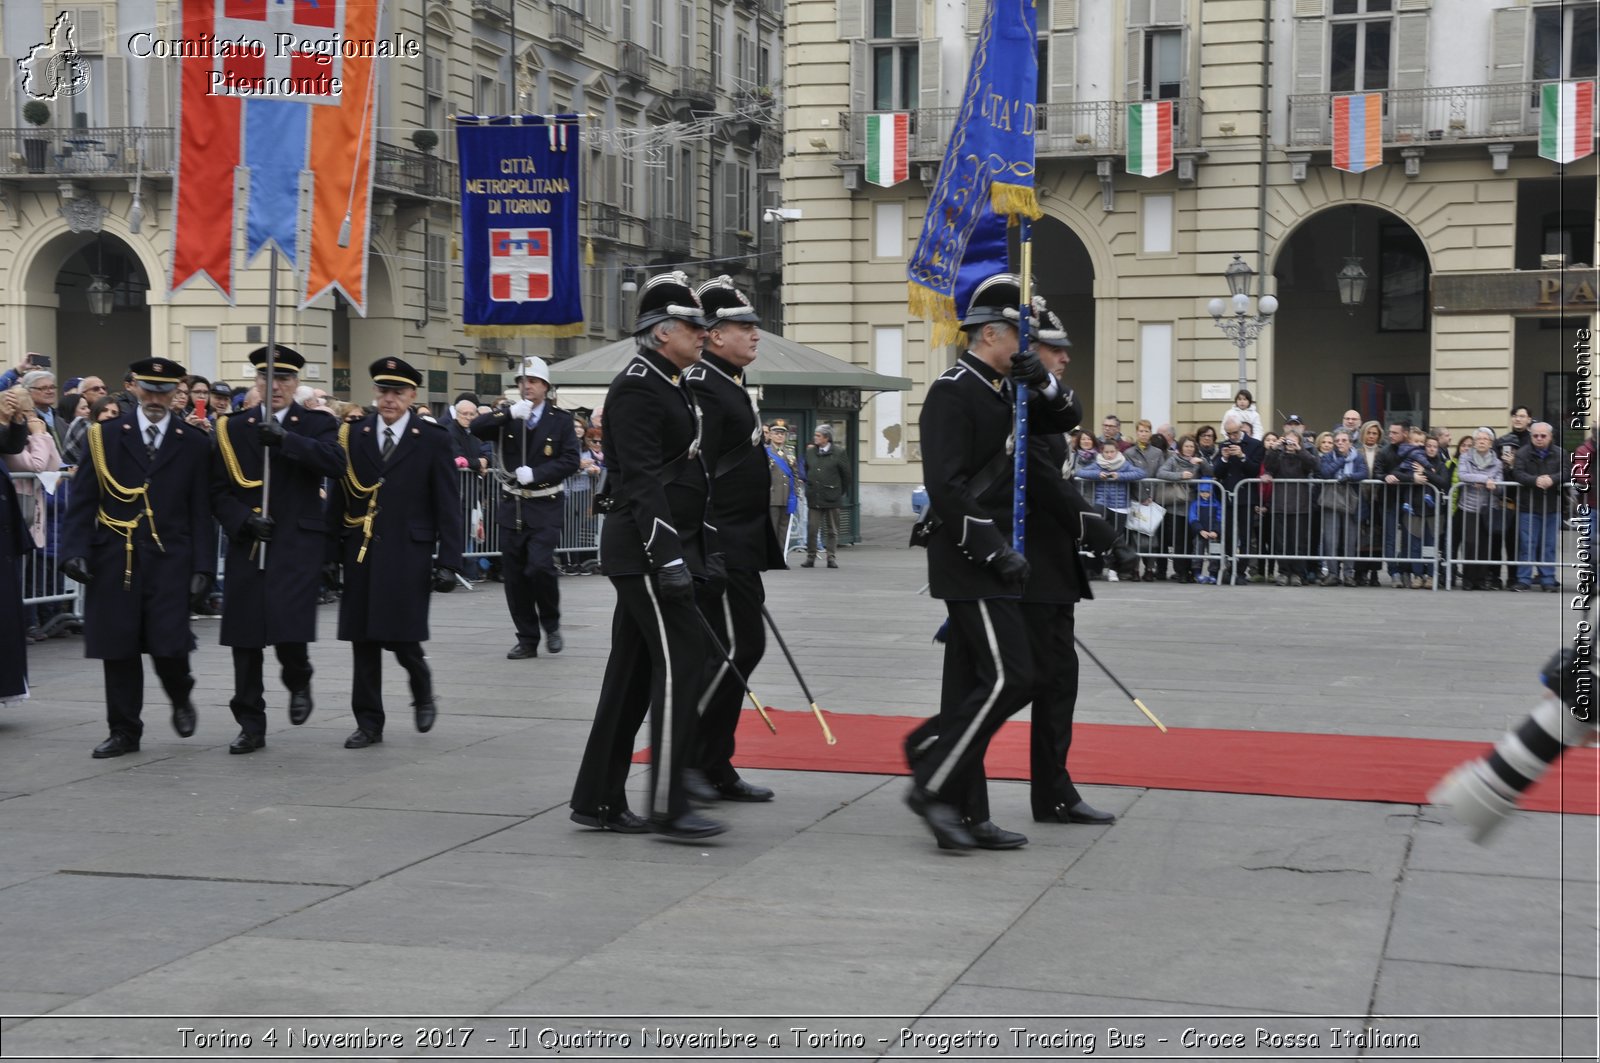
point(1277, 763)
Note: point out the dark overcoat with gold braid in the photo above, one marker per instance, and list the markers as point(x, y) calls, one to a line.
point(151, 613)
point(418, 509)
point(277, 604)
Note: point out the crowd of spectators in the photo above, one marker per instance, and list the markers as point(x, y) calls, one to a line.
point(1347, 506)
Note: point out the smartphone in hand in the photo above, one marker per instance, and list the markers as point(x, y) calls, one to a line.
point(200, 408)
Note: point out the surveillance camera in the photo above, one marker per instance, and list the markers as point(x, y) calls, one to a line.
point(781, 214)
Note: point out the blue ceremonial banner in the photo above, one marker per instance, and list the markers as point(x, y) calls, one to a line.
point(519, 225)
point(987, 175)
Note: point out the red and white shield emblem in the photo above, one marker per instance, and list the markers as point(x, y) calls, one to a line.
point(291, 39)
point(519, 265)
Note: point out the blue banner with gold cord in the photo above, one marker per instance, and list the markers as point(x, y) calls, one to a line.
point(519, 225)
point(988, 170)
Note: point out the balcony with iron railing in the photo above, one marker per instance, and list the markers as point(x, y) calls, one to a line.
point(568, 27)
point(1062, 130)
point(609, 222)
point(96, 151)
point(667, 238)
point(1464, 113)
point(695, 90)
point(772, 9)
point(414, 174)
point(495, 9)
point(734, 248)
point(633, 62)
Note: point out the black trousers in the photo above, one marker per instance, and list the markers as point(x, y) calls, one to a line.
point(125, 689)
point(988, 676)
point(249, 703)
point(735, 616)
point(656, 667)
point(1055, 699)
point(366, 685)
point(533, 588)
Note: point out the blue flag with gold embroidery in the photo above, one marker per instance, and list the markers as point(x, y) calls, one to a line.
point(987, 175)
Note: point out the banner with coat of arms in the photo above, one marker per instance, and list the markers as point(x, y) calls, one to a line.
point(519, 225)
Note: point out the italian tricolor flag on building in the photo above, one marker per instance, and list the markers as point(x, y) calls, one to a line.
point(1150, 138)
point(1566, 121)
point(888, 154)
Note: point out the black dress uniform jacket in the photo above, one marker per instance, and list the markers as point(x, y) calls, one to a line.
point(652, 424)
point(278, 604)
point(1050, 543)
point(418, 505)
point(152, 614)
point(967, 418)
point(737, 459)
point(549, 448)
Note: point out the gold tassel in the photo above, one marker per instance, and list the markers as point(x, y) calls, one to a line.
point(940, 310)
point(1014, 199)
point(504, 332)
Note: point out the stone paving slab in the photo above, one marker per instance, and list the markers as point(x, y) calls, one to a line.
point(1495, 921)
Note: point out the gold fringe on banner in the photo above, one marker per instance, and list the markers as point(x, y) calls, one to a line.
point(940, 310)
point(1014, 200)
point(506, 332)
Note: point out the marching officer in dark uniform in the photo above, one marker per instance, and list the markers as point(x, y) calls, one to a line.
point(272, 601)
point(139, 535)
point(967, 422)
point(397, 500)
point(1059, 518)
point(653, 546)
point(740, 483)
point(535, 450)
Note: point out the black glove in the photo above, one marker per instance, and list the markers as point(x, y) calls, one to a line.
point(258, 528)
point(77, 569)
point(1027, 369)
point(675, 583)
point(271, 433)
point(330, 576)
point(199, 589)
point(444, 580)
point(1010, 565)
point(716, 573)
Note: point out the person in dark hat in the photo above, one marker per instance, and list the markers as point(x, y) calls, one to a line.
point(277, 538)
point(747, 545)
point(783, 480)
point(138, 534)
point(535, 450)
point(398, 502)
point(654, 544)
point(966, 426)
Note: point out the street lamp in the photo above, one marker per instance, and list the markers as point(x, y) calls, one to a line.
point(1241, 328)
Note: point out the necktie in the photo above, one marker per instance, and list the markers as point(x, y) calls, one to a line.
point(388, 442)
point(154, 434)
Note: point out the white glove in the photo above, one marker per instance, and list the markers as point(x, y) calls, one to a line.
point(522, 409)
point(524, 475)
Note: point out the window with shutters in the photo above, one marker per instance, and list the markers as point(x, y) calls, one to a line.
point(892, 55)
point(686, 185)
point(597, 280)
point(658, 28)
point(716, 49)
point(625, 24)
point(490, 96)
point(438, 282)
point(433, 91)
point(1563, 42)
point(1360, 54)
point(625, 164)
point(686, 35)
point(1163, 64)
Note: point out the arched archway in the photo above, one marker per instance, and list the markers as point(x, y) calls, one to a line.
point(84, 343)
point(1375, 356)
point(1064, 272)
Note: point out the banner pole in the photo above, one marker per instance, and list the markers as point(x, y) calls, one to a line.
point(1019, 496)
point(266, 398)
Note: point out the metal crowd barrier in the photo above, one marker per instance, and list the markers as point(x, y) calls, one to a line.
point(1480, 542)
point(42, 585)
point(579, 548)
point(1177, 539)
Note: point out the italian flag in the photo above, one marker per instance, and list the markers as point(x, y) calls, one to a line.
point(1150, 138)
point(1566, 121)
point(888, 156)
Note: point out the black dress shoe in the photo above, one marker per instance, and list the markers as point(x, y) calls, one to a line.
point(183, 718)
point(621, 822)
point(942, 819)
point(427, 712)
point(809, 562)
point(686, 827)
point(554, 641)
point(522, 652)
point(247, 743)
point(1084, 812)
point(115, 746)
point(989, 836)
point(739, 790)
point(360, 739)
point(300, 706)
point(699, 788)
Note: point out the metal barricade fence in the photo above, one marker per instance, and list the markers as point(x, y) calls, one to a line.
point(1179, 537)
point(42, 584)
point(579, 547)
point(1504, 529)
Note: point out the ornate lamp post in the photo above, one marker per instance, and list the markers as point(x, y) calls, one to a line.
point(1241, 328)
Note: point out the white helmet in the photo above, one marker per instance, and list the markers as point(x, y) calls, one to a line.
point(534, 366)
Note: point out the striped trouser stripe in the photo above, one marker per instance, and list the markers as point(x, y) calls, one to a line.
point(663, 755)
point(942, 774)
point(733, 644)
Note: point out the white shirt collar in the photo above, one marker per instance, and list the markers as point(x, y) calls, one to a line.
point(399, 427)
point(282, 415)
point(145, 423)
point(538, 411)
